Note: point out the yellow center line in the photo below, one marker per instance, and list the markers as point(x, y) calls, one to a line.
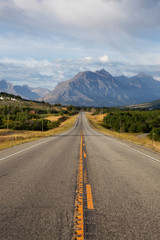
point(79, 201)
point(78, 217)
point(85, 176)
point(89, 197)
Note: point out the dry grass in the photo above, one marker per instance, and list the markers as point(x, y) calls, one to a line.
point(9, 138)
point(98, 118)
point(60, 108)
point(130, 137)
point(53, 118)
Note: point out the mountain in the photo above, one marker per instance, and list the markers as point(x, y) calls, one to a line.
point(100, 88)
point(6, 86)
point(24, 91)
point(140, 88)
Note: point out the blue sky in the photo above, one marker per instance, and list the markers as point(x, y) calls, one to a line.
point(43, 42)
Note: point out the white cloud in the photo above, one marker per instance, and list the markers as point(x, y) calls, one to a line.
point(157, 78)
point(104, 59)
point(88, 59)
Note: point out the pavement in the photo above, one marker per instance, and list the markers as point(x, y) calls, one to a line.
point(79, 185)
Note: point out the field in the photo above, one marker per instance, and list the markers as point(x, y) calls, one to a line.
point(138, 138)
point(10, 138)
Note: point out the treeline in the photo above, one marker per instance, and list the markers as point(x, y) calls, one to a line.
point(19, 117)
point(7, 95)
point(134, 121)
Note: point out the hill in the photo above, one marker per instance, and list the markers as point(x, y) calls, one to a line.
point(147, 105)
point(20, 114)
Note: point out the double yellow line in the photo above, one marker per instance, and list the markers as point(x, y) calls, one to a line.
point(79, 201)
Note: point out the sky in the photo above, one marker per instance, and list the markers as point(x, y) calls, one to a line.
point(44, 42)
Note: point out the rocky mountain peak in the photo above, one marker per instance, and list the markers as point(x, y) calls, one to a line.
point(104, 72)
point(100, 88)
point(24, 91)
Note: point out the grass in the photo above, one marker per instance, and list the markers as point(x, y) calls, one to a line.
point(53, 118)
point(97, 120)
point(9, 138)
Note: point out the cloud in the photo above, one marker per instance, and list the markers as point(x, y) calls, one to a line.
point(72, 28)
point(47, 73)
point(88, 59)
point(88, 18)
point(104, 59)
point(50, 41)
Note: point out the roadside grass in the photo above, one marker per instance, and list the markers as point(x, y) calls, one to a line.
point(97, 120)
point(9, 138)
point(53, 118)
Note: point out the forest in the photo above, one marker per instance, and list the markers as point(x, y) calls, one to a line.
point(134, 121)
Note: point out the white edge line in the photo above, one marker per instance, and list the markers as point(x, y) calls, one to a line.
point(1, 159)
point(155, 159)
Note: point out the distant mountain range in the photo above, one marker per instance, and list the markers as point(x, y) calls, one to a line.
point(97, 89)
point(100, 88)
point(24, 91)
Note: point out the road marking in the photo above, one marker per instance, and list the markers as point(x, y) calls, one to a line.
point(55, 136)
point(1, 159)
point(89, 197)
point(78, 216)
point(83, 218)
point(85, 176)
point(155, 159)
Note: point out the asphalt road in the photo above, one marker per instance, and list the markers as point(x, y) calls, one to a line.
point(116, 185)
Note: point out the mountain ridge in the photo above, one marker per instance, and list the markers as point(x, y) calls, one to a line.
point(100, 88)
point(24, 91)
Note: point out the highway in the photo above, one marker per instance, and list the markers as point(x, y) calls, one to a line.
point(79, 185)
